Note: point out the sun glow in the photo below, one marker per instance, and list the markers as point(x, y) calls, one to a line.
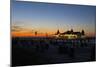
point(27, 34)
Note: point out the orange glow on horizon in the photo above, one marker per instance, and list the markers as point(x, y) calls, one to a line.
point(26, 34)
point(91, 34)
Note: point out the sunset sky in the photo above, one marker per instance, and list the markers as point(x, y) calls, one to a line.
point(46, 18)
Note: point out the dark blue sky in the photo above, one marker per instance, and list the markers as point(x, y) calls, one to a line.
point(50, 17)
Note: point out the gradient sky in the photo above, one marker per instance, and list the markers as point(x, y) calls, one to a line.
point(48, 18)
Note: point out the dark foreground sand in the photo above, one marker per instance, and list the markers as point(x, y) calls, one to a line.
point(36, 51)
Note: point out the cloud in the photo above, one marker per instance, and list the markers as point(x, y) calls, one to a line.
point(16, 28)
point(21, 29)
